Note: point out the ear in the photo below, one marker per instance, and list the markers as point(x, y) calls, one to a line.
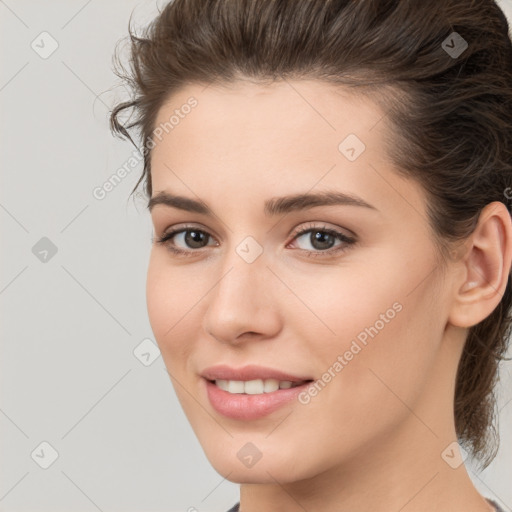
point(486, 271)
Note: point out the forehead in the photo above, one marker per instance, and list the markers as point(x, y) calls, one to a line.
point(261, 140)
point(257, 109)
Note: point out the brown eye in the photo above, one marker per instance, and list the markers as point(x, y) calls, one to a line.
point(184, 240)
point(195, 239)
point(320, 240)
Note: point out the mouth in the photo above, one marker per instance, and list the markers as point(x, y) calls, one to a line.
point(252, 399)
point(256, 386)
point(253, 374)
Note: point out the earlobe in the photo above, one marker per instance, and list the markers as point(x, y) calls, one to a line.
point(487, 267)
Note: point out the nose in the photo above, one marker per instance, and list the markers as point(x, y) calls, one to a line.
point(242, 305)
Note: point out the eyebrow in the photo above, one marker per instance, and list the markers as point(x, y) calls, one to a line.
point(272, 207)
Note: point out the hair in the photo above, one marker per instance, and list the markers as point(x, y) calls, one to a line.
point(449, 115)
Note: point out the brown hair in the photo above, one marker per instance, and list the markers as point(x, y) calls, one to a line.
point(450, 113)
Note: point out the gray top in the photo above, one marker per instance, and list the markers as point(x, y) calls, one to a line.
point(492, 502)
point(236, 508)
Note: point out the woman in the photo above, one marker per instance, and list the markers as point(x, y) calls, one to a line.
point(329, 284)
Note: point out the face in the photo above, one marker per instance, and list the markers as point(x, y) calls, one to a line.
point(345, 294)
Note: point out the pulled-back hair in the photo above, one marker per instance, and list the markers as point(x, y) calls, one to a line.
point(449, 110)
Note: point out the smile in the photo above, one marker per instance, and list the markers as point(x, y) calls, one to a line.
point(255, 387)
point(249, 400)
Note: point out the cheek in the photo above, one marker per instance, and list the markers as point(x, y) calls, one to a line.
point(337, 305)
point(366, 324)
point(172, 294)
point(160, 303)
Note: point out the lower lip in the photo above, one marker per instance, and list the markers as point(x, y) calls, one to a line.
point(240, 406)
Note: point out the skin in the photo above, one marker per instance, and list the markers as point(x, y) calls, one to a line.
point(383, 422)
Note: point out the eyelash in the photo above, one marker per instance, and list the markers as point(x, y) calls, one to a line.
point(348, 241)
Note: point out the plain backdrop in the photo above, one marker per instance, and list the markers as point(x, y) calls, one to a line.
point(88, 416)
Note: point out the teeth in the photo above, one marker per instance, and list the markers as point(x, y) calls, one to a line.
point(255, 387)
point(235, 386)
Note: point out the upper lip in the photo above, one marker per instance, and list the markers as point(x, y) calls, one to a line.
point(249, 372)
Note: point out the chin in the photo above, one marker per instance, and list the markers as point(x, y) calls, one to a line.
point(258, 474)
point(224, 459)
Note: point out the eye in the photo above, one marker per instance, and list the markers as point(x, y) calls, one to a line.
point(189, 238)
point(318, 240)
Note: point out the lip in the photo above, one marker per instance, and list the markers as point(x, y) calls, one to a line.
point(240, 406)
point(243, 406)
point(249, 372)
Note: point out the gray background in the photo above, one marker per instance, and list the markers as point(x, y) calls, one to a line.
point(72, 320)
